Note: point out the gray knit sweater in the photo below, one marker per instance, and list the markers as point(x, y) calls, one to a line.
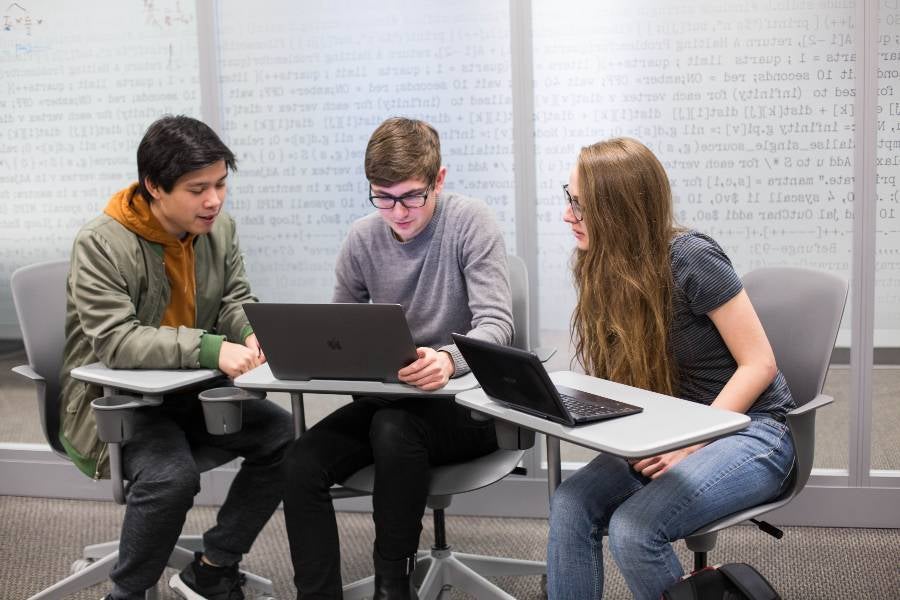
point(452, 277)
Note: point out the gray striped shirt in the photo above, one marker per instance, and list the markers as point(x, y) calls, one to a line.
point(704, 280)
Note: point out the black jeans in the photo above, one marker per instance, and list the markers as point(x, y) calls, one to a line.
point(403, 438)
point(164, 479)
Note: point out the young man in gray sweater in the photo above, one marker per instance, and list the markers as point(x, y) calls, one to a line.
point(442, 257)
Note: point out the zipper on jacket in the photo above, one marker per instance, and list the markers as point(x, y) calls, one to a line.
point(103, 452)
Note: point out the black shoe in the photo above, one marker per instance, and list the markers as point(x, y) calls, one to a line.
point(200, 581)
point(393, 578)
point(394, 588)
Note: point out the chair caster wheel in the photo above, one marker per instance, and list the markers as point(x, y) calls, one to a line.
point(81, 564)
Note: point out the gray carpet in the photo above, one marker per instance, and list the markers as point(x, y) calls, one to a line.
point(39, 538)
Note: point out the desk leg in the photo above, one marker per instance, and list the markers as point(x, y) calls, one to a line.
point(554, 465)
point(299, 414)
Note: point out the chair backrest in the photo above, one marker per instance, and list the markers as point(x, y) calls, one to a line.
point(801, 311)
point(39, 295)
point(518, 284)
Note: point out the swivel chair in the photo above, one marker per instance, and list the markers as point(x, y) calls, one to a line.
point(39, 295)
point(441, 567)
point(801, 311)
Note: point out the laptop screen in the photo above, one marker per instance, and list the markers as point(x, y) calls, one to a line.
point(510, 375)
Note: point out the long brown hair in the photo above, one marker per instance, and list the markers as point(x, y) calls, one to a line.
point(624, 278)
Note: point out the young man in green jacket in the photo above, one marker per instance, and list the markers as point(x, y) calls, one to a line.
point(157, 282)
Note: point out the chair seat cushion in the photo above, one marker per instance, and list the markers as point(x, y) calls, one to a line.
point(452, 479)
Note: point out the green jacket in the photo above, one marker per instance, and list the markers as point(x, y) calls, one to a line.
point(117, 292)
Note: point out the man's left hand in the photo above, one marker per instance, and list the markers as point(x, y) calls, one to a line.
point(431, 371)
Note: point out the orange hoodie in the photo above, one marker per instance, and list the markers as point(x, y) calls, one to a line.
point(129, 208)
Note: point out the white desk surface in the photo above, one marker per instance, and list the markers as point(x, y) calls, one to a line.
point(261, 378)
point(665, 424)
point(145, 381)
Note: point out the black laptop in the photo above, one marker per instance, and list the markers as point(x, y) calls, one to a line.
point(333, 341)
point(517, 379)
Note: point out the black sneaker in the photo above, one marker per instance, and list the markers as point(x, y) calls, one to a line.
point(199, 581)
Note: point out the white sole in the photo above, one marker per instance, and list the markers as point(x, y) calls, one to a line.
point(182, 589)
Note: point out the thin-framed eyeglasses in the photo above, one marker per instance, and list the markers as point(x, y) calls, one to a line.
point(573, 202)
point(387, 202)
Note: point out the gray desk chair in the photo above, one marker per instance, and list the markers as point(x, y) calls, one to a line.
point(442, 567)
point(800, 310)
point(39, 295)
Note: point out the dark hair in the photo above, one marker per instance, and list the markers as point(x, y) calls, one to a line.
point(175, 145)
point(402, 149)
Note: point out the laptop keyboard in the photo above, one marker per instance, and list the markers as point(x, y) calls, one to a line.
point(588, 409)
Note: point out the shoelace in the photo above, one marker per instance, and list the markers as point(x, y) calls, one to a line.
point(236, 584)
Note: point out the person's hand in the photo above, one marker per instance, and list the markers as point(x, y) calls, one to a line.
point(251, 342)
point(654, 466)
point(235, 359)
point(431, 371)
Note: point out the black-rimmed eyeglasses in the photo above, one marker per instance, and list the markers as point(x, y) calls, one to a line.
point(387, 202)
point(573, 202)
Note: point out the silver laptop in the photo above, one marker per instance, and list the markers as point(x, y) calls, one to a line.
point(333, 341)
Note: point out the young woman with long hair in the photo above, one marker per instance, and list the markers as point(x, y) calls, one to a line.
point(661, 308)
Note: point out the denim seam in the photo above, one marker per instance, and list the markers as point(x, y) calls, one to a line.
point(596, 561)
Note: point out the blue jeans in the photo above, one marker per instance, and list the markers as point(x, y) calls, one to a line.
point(644, 516)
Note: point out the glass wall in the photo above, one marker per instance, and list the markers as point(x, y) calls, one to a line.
point(81, 83)
point(885, 450)
point(302, 91)
point(750, 112)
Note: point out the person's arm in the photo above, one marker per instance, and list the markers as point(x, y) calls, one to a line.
point(743, 334)
point(741, 330)
point(349, 286)
point(233, 349)
point(484, 265)
point(108, 317)
point(231, 320)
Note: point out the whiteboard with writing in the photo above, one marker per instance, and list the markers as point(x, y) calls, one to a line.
point(748, 105)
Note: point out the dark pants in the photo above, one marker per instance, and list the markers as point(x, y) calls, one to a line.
point(164, 479)
point(403, 439)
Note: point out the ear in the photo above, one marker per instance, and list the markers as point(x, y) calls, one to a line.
point(439, 180)
point(154, 189)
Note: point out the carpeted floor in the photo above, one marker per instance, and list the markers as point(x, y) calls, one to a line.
point(39, 539)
